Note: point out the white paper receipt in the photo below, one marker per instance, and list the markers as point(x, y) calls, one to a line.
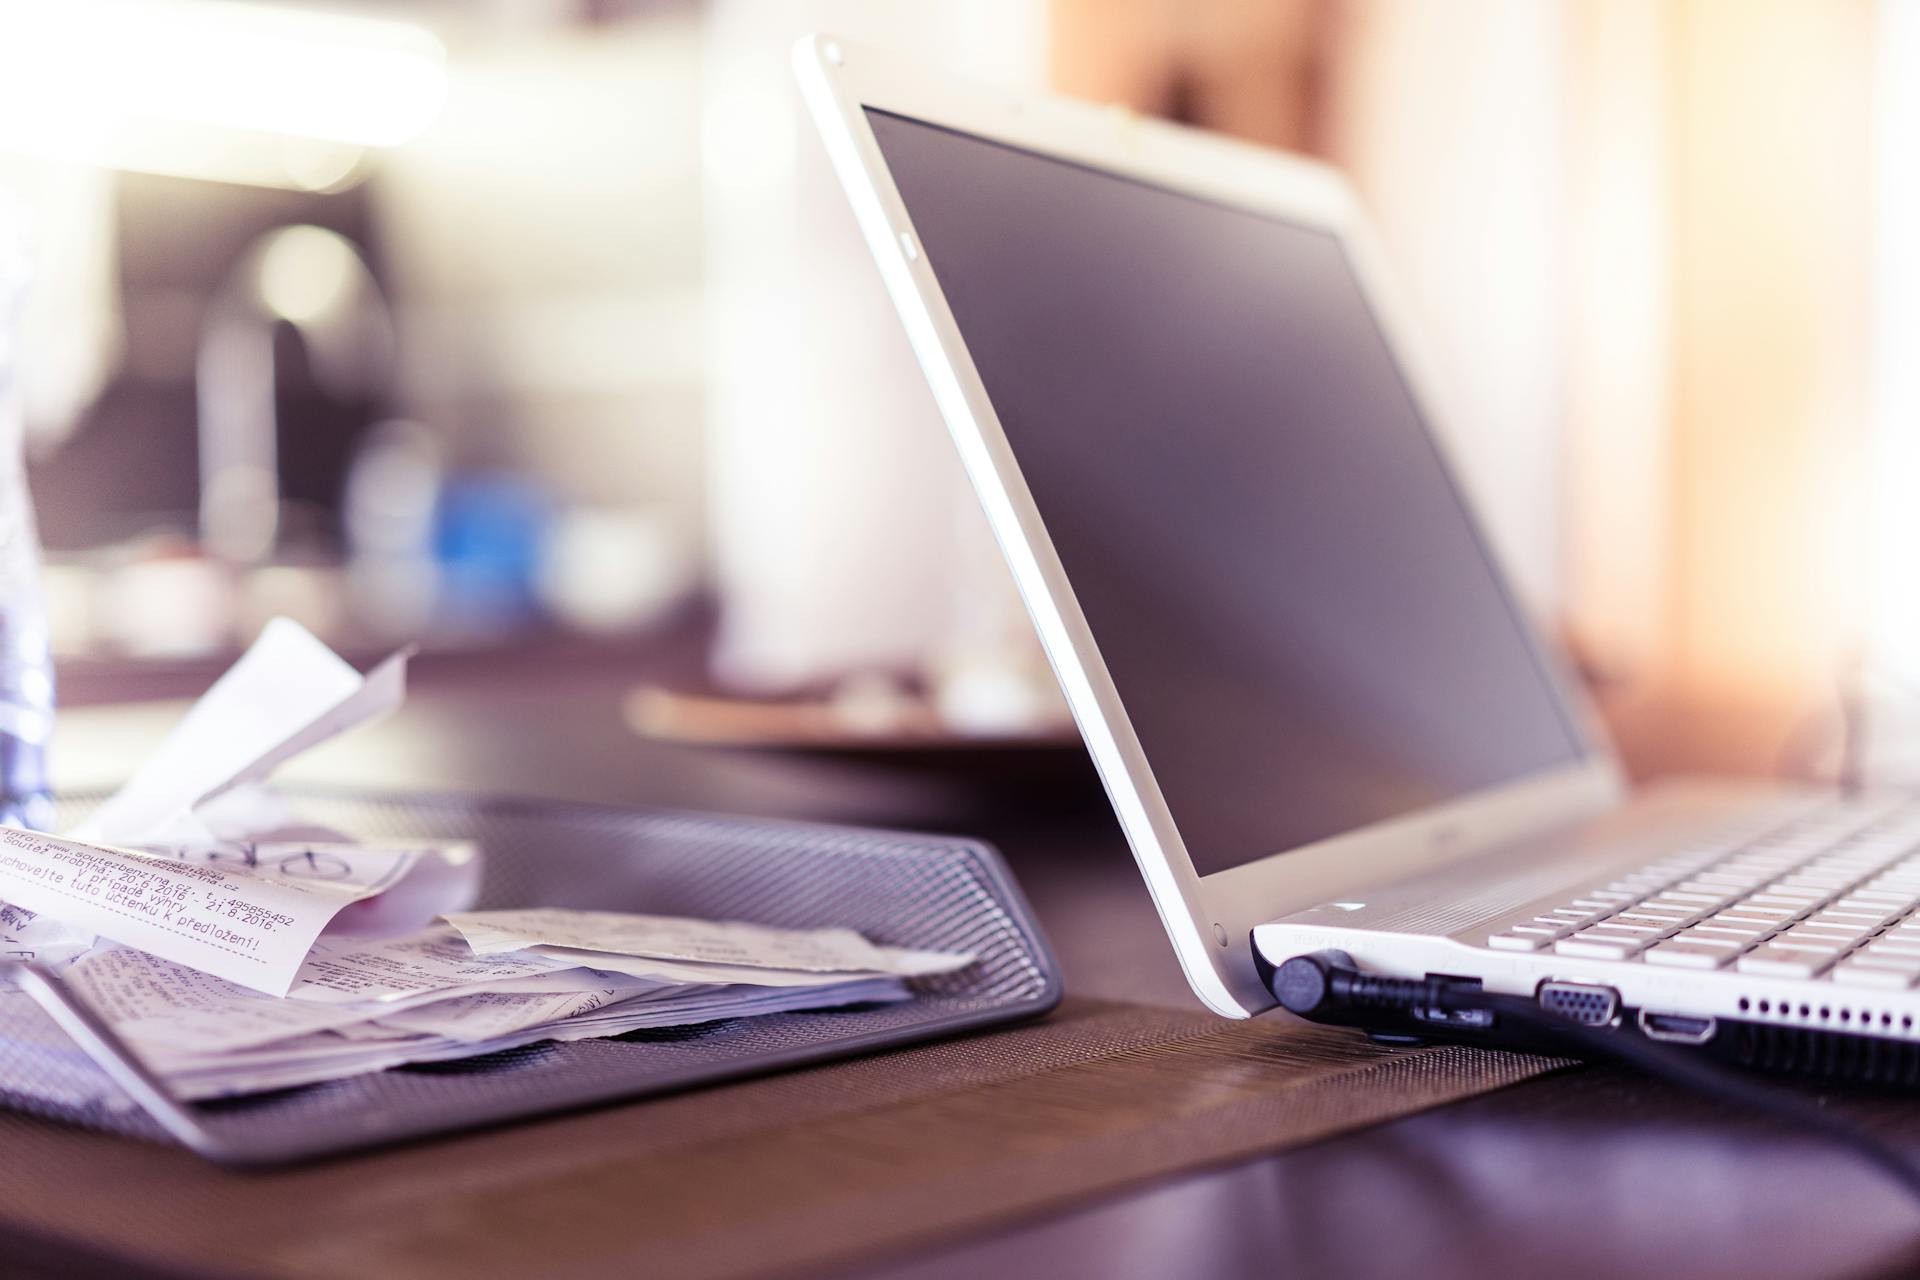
point(288, 692)
point(344, 969)
point(727, 942)
point(160, 1005)
point(248, 915)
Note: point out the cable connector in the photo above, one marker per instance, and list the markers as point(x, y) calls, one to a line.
point(1326, 986)
point(1324, 982)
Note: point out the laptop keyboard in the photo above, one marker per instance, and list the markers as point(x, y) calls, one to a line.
point(1831, 895)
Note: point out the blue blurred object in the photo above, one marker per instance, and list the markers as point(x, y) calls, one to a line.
point(490, 534)
point(26, 666)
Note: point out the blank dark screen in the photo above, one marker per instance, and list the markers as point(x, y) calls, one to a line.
point(1276, 567)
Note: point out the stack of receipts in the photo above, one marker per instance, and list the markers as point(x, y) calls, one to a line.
point(359, 1005)
point(233, 952)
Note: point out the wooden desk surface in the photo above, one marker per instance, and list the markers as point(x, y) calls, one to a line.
point(1588, 1172)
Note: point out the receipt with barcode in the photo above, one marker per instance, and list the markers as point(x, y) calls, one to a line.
point(248, 913)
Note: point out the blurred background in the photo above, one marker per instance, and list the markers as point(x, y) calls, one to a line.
point(538, 328)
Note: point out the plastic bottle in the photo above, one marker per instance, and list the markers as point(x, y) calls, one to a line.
point(26, 666)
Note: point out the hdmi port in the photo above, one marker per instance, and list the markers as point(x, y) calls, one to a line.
point(1678, 1028)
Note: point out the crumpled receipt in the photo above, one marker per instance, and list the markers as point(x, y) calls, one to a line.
point(352, 970)
point(678, 949)
point(249, 917)
point(165, 1006)
point(193, 862)
point(287, 693)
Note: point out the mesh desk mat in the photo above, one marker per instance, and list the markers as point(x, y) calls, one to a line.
point(909, 890)
point(811, 1171)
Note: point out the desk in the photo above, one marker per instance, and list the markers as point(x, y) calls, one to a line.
point(1587, 1172)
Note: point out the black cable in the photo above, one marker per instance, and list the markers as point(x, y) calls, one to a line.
point(1326, 981)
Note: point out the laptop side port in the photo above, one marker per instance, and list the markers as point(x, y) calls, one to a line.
point(1582, 1002)
point(1677, 1028)
point(1453, 1017)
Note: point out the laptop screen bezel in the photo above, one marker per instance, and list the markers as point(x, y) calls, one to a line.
point(1209, 918)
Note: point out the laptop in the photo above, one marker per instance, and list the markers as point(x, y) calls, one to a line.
point(1201, 428)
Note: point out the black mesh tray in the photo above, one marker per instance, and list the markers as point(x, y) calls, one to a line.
point(908, 890)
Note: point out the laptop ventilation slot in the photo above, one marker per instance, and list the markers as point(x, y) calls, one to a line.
point(1825, 1055)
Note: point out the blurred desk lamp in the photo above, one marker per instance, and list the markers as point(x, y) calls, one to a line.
point(316, 281)
point(245, 93)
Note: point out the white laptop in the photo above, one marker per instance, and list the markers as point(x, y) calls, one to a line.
point(1196, 418)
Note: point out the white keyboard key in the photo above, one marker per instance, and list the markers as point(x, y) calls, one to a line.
point(1910, 963)
point(1517, 941)
point(1587, 948)
point(1679, 953)
point(1828, 929)
point(1780, 962)
point(1899, 937)
point(1844, 919)
point(1568, 923)
point(1548, 927)
point(1854, 974)
point(1686, 911)
point(1718, 937)
point(1744, 923)
point(1732, 945)
point(1810, 940)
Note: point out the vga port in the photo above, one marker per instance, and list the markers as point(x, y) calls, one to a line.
point(1582, 1002)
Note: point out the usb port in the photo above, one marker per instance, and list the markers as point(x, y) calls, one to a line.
point(1679, 1028)
point(1456, 1017)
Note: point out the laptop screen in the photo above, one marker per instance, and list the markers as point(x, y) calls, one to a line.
point(1276, 567)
